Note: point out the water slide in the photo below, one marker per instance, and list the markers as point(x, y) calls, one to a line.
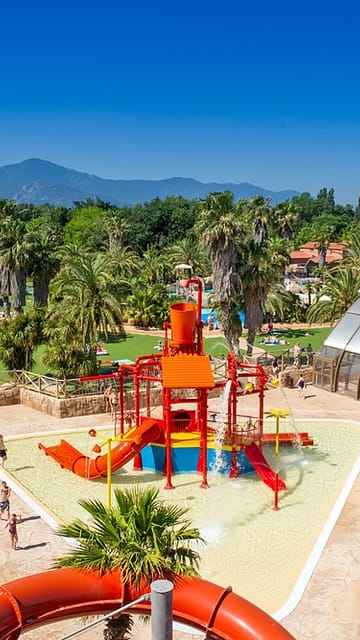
point(262, 466)
point(68, 593)
point(69, 457)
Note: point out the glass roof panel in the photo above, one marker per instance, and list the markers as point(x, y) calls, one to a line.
point(343, 332)
point(355, 308)
point(329, 352)
point(354, 344)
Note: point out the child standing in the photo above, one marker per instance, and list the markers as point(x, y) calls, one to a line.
point(12, 524)
point(301, 386)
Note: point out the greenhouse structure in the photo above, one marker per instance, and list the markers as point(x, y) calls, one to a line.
point(337, 363)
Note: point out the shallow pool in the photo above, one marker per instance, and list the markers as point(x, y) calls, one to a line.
point(259, 551)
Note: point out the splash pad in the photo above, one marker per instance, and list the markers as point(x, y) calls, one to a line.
point(182, 436)
point(182, 366)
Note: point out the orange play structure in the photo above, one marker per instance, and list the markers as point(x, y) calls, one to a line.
point(67, 593)
point(185, 376)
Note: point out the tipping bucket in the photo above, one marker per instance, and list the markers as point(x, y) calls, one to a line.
point(183, 318)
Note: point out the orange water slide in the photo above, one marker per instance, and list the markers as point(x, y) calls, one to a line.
point(68, 593)
point(262, 466)
point(69, 457)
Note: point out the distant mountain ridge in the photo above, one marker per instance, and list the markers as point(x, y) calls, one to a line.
point(36, 181)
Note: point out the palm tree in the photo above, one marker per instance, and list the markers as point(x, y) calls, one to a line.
point(188, 251)
point(352, 253)
point(261, 212)
point(81, 292)
point(153, 266)
point(5, 287)
point(147, 305)
point(14, 256)
point(117, 226)
point(219, 230)
point(339, 292)
point(144, 537)
point(19, 336)
point(43, 260)
point(280, 301)
point(260, 267)
point(285, 218)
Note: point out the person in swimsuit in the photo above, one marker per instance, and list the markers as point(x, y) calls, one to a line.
point(107, 393)
point(301, 387)
point(113, 403)
point(4, 499)
point(12, 524)
point(3, 450)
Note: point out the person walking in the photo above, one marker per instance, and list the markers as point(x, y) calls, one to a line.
point(12, 524)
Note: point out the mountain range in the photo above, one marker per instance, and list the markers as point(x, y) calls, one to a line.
point(36, 181)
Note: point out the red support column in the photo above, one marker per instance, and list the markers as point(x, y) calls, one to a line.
point(202, 395)
point(167, 416)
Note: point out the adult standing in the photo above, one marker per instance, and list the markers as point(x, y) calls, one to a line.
point(297, 353)
point(3, 450)
point(107, 393)
point(309, 355)
point(5, 499)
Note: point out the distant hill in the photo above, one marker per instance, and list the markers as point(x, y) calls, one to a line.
point(39, 181)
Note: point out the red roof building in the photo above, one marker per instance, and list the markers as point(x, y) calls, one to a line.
point(303, 260)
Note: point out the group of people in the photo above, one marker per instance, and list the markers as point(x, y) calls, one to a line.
point(111, 401)
point(297, 354)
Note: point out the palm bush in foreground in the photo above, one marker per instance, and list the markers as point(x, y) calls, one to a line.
point(145, 537)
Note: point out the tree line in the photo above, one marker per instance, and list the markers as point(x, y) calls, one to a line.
point(94, 266)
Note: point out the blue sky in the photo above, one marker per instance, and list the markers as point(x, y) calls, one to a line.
point(260, 91)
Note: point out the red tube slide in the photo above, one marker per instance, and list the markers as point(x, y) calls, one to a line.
point(70, 458)
point(64, 593)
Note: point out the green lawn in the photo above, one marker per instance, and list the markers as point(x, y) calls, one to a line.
point(136, 345)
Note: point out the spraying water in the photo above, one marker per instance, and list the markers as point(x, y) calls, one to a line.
point(220, 429)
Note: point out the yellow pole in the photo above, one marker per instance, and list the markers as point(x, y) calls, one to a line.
point(277, 435)
point(108, 473)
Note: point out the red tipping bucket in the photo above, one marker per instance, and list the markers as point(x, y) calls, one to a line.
point(183, 318)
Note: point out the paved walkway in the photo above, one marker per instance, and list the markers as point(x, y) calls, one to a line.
point(329, 608)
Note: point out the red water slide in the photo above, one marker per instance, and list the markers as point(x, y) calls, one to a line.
point(70, 458)
point(64, 593)
point(262, 466)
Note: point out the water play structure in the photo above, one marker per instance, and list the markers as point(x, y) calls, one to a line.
point(178, 439)
point(183, 437)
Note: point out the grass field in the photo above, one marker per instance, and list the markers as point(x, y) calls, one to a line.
point(142, 344)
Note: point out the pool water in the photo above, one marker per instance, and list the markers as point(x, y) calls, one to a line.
point(259, 551)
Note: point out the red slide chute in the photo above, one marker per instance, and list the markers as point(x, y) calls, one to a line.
point(70, 458)
point(64, 593)
point(262, 466)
